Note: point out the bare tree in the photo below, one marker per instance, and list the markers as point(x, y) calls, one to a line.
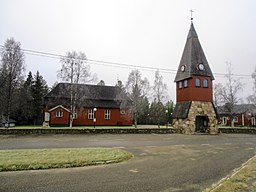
point(75, 69)
point(230, 92)
point(12, 70)
point(137, 90)
point(159, 95)
point(217, 94)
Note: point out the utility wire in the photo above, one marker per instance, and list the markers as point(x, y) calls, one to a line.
point(115, 64)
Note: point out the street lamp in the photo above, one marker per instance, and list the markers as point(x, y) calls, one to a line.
point(94, 116)
point(166, 112)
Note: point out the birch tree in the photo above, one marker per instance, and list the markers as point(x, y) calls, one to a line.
point(159, 96)
point(75, 69)
point(137, 88)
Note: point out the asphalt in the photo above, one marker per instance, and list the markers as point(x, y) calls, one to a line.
point(170, 162)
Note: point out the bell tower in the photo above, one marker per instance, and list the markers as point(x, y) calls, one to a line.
point(194, 110)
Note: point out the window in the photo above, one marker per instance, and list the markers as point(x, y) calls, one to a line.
point(107, 114)
point(90, 114)
point(224, 120)
point(74, 115)
point(180, 84)
point(253, 121)
point(235, 119)
point(185, 83)
point(205, 83)
point(59, 114)
point(198, 82)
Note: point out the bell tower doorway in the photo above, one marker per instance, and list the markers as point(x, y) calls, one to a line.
point(201, 124)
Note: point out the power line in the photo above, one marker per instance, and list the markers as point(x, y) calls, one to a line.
point(116, 64)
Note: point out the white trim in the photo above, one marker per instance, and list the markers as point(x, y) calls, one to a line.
point(59, 106)
point(253, 121)
point(90, 114)
point(242, 119)
point(59, 114)
point(235, 119)
point(107, 114)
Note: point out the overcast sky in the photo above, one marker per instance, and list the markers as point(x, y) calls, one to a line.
point(149, 33)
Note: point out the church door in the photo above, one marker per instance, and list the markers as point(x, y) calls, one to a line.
point(201, 124)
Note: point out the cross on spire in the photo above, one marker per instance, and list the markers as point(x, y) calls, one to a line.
point(191, 18)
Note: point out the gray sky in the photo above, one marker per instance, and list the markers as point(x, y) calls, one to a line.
point(148, 33)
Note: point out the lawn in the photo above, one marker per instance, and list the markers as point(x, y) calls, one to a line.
point(30, 159)
point(243, 180)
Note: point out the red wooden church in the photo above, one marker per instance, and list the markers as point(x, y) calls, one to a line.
point(95, 105)
point(194, 110)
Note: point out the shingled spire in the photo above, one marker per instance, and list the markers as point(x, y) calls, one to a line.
point(193, 61)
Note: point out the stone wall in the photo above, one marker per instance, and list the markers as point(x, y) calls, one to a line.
point(198, 108)
point(49, 131)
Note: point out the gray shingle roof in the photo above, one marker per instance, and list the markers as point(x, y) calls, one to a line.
point(192, 56)
point(88, 96)
point(181, 109)
point(238, 109)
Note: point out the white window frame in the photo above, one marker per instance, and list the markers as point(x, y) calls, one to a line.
point(59, 114)
point(185, 83)
point(180, 84)
point(253, 122)
point(235, 119)
point(224, 120)
point(198, 82)
point(90, 114)
point(107, 114)
point(74, 115)
point(206, 83)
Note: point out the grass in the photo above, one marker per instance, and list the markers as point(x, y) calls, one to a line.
point(243, 180)
point(31, 159)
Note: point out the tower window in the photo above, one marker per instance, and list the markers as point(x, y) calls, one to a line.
point(206, 83)
point(198, 82)
point(185, 83)
point(180, 84)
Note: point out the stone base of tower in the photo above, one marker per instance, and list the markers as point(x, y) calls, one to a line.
point(200, 118)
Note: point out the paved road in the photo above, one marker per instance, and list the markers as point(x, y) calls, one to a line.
point(164, 163)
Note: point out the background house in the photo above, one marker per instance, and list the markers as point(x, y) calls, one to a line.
point(243, 115)
point(94, 105)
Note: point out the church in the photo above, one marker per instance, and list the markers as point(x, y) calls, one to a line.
point(194, 111)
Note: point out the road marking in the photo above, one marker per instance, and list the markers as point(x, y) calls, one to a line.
point(179, 145)
point(134, 170)
point(249, 149)
point(118, 147)
point(205, 144)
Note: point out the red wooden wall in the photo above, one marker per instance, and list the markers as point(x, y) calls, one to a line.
point(193, 93)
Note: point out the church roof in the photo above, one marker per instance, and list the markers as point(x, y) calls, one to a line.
point(193, 55)
point(88, 96)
